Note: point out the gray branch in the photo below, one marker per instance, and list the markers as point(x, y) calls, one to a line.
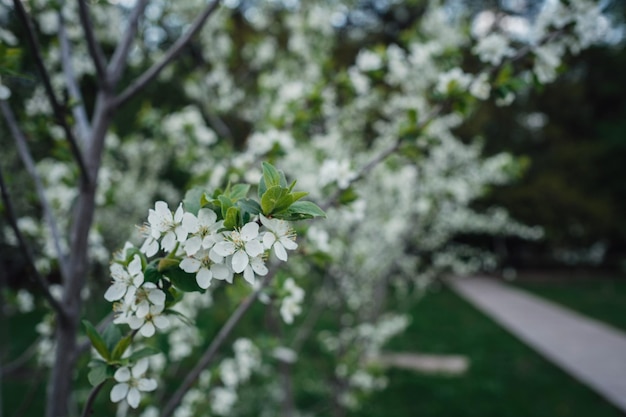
point(169, 56)
point(29, 163)
point(39, 280)
point(93, 46)
point(209, 353)
point(58, 110)
point(120, 56)
point(77, 104)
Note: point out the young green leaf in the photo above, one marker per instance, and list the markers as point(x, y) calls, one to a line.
point(111, 336)
point(271, 175)
point(272, 197)
point(225, 204)
point(249, 206)
point(231, 220)
point(98, 374)
point(143, 353)
point(239, 191)
point(121, 347)
point(193, 200)
point(96, 340)
point(301, 210)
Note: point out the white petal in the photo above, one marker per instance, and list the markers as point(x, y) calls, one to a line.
point(190, 265)
point(254, 248)
point(288, 243)
point(248, 275)
point(208, 241)
point(122, 374)
point(119, 392)
point(160, 322)
point(118, 272)
point(220, 271)
point(204, 277)
point(258, 266)
point(135, 322)
point(249, 231)
point(215, 257)
point(150, 247)
point(169, 241)
point(178, 216)
point(224, 248)
point(134, 267)
point(268, 239)
point(192, 245)
point(207, 216)
point(280, 252)
point(147, 330)
point(181, 233)
point(190, 223)
point(147, 384)
point(143, 308)
point(133, 397)
point(240, 261)
point(140, 368)
point(115, 291)
point(157, 297)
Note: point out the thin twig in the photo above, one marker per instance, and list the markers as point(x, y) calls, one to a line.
point(39, 280)
point(92, 397)
point(29, 163)
point(119, 59)
point(170, 54)
point(210, 352)
point(77, 103)
point(93, 46)
point(58, 110)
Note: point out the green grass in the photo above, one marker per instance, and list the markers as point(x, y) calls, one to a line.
point(602, 299)
point(506, 378)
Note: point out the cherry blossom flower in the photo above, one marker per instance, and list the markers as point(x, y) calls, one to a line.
point(125, 280)
point(242, 244)
point(204, 268)
point(279, 236)
point(130, 383)
point(148, 324)
point(204, 234)
point(171, 227)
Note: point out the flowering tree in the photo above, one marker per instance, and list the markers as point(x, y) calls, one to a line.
point(182, 107)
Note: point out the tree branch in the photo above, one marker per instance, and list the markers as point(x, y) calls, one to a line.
point(27, 159)
point(93, 46)
point(209, 353)
point(39, 280)
point(77, 103)
point(59, 112)
point(170, 54)
point(120, 56)
point(92, 397)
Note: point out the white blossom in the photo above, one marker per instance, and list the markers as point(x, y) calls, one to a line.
point(131, 382)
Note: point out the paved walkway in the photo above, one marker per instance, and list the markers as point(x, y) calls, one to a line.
point(591, 351)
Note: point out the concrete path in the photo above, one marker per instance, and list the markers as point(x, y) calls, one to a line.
point(589, 350)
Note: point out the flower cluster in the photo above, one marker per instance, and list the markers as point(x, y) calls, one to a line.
point(209, 250)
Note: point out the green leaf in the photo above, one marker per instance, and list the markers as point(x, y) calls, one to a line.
point(239, 191)
point(152, 273)
point(225, 204)
point(272, 197)
point(249, 206)
point(96, 340)
point(301, 210)
point(143, 353)
point(271, 175)
point(182, 280)
point(98, 374)
point(168, 263)
point(121, 347)
point(193, 200)
point(297, 195)
point(231, 220)
point(111, 335)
